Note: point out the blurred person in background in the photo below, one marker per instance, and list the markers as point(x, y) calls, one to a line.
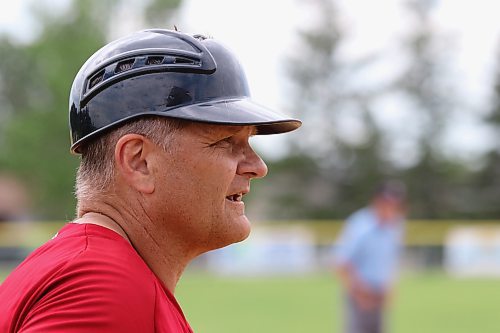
point(367, 255)
point(162, 121)
point(14, 199)
point(14, 209)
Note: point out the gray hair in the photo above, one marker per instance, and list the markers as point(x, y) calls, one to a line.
point(96, 173)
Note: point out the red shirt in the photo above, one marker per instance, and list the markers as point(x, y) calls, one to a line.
point(87, 279)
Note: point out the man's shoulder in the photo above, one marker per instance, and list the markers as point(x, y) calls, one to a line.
point(89, 272)
point(361, 218)
point(109, 258)
point(89, 250)
point(86, 255)
point(120, 281)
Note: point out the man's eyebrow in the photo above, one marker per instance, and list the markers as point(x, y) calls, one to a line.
point(250, 129)
point(229, 130)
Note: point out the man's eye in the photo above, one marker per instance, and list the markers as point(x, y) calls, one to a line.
point(223, 142)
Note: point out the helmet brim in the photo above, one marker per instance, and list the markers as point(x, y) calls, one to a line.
point(237, 112)
point(232, 112)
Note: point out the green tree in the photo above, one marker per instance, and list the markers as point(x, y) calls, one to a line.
point(329, 171)
point(438, 183)
point(487, 184)
point(35, 79)
point(335, 166)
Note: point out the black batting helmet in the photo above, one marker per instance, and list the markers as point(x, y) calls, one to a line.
point(164, 73)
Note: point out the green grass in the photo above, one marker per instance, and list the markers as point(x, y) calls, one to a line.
point(424, 303)
point(288, 305)
point(436, 303)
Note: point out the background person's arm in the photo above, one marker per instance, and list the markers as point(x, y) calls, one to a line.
point(364, 296)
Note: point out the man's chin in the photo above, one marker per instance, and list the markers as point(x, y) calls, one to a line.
point(245, 226)
point(238, 230)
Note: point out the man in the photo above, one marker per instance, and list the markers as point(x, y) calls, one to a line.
point(367, 256)
point(14, 199)
point(162, 121)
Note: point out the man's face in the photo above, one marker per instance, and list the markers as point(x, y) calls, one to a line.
point(389, 210)
point(203, 178)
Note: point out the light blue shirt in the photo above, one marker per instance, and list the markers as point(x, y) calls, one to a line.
point(371, 248)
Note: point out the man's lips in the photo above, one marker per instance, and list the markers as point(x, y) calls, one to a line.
point(237, 196)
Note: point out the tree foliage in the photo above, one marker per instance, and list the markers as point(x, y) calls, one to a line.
point(35, 79)
point(336, 165)
point(330, 168)
point(488, 178)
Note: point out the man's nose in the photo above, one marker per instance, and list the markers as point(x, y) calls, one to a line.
point(252, 165)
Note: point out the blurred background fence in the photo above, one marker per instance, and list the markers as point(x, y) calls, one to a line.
point(297, 247)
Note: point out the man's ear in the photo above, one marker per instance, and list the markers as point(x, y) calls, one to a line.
point(132, 154)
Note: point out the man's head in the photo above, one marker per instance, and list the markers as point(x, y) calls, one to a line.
point(162, 121)
point(389, 201)
point(193, 175)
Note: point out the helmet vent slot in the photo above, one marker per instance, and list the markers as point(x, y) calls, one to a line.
point(181, 60)
point(124, 65)
point(97, 78)
point(154, 60)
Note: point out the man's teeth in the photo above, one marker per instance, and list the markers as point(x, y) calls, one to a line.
point(235, 197)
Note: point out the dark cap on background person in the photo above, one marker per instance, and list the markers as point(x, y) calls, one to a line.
point(393, 190)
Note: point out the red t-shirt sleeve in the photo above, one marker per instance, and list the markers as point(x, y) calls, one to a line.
point(95, 293)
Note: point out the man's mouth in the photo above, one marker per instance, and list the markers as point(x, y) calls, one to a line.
point(237, 197)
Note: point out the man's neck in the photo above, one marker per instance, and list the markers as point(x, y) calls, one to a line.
point(161, 251)
point(102, 220)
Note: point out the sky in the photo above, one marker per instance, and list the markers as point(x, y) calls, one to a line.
point(262, 33)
